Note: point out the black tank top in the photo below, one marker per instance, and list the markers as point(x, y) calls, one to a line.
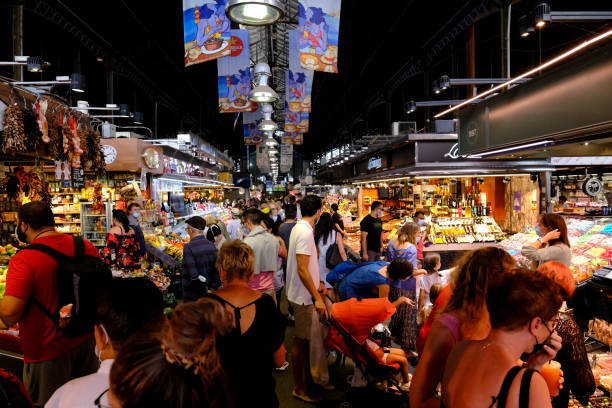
point(502, 397)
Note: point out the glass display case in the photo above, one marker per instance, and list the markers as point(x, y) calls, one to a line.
point(95, 224)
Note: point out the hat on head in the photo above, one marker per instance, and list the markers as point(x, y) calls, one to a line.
point(235, 211)
point(265, 210)
point(196, 223)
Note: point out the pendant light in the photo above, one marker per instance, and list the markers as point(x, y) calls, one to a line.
point(267, 124)
point(254, 12)
point(262, 92)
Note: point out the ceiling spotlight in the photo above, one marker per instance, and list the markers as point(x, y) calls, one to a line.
point(525, 28)
point(436, 87)
point(365, 147)
point(138, 118)
point(541, 15)
point(273, 159)
point(124, 109)
point(34, 64)
point(99, 59)
point(77, 82)
point(586, 143)
point(254, 12)
point(262, 91)
point(410, 106)
point(444, 82)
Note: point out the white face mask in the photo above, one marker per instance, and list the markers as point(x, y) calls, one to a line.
point(106, 339)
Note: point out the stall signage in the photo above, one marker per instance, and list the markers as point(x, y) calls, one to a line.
point(78, 177)
point(592, 187)
point(453, 153)
point(375, 163)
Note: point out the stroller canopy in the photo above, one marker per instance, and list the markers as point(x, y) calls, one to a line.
point(358, 316)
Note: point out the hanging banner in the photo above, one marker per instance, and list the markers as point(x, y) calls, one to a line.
point(262, 158)
point(319, 26)
point(286, 157)
point(295, 122)
point(206, 30)
point(251, 121)
point(298, 88)
point(293, 138)
point(234, 75)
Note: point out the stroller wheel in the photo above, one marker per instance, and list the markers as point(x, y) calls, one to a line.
point(333, 358)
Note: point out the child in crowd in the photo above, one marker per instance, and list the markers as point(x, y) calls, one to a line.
point(431, 264)
point(434, 291)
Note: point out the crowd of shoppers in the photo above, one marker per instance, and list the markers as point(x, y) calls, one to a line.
point(229, 327)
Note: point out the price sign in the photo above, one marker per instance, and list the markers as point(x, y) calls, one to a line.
point(78, 178)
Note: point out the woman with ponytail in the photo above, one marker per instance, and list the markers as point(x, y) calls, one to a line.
point(122, 249)
point(182, 369)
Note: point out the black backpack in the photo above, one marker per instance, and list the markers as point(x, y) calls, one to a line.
point(80, 281)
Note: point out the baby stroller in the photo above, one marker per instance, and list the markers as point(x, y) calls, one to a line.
point(350, 325)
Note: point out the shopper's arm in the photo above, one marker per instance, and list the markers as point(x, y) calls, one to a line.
point(11, 309)
point(340, 243)
point(429, 371)
point(381, 243)
point(190, 270)
point(283, 249)
point(364, 245)
point(421, 299)
point(306, 278)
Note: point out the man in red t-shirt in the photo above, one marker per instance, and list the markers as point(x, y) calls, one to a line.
point(50, 357)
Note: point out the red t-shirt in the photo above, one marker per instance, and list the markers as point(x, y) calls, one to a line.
point(437, 309)
point(32, 273)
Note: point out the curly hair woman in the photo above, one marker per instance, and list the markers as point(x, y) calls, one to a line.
point(182, 369)
point(465, 318)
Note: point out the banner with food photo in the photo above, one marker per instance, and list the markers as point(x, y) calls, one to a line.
point(293, 138)
point(298, 88)
point(319, 22)
point(295, 122)
point(250, 122)
point(206, 30)
point(235, 75)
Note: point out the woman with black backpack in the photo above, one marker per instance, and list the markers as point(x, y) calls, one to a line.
point(325, 237)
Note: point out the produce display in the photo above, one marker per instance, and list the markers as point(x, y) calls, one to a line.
point(594, 402)
point(172, 244)
point(590, 240)
point(602, 369)
point(154, 272)
point(464, 230)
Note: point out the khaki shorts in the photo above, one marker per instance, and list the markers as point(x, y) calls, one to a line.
point(303, 320)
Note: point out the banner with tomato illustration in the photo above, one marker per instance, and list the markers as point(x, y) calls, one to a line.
point(319, 22)
point(206, 30)
point(234, 75)
point(298, 88)
point(251, 121)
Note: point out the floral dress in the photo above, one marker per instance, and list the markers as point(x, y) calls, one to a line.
point(403, 324)
point(122, 251)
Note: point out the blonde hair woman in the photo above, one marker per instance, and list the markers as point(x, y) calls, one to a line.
point(255, 346)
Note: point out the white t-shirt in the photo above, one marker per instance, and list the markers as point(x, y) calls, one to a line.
point(234, 228)
point(427, 281)
point(301, 242)
point(82, 392)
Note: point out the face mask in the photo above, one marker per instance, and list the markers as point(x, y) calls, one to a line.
point(136, 215)
point(539, 346)
point(20, 235)
point(274, 217)
point(538, 231)
point(246, 230)
point(421, 221)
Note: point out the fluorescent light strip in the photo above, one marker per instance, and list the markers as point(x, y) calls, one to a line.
point(528, 73)
point(508, 149)
point(454, 174)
